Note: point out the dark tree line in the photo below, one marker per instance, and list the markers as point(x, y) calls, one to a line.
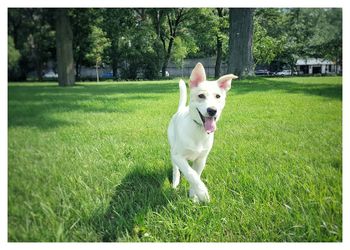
point(134, 41)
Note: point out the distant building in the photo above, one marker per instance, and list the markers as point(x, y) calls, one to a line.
point(173, 70)
point(188, 65)
point(311, 66)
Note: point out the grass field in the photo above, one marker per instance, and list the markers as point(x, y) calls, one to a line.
point(91, 163)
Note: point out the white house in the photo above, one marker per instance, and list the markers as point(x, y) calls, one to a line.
point(310, 66)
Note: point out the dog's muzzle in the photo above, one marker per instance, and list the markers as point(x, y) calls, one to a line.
point(211, 111)
point(209, 122)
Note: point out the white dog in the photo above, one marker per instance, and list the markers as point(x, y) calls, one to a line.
point(191, 129)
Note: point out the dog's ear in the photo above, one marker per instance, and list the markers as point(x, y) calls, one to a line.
point(224, 82)
point(197, 75)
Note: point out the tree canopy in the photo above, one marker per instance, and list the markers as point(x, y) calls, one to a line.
point(138, 41)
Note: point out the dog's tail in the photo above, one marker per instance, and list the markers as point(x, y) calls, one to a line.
point(183, 95)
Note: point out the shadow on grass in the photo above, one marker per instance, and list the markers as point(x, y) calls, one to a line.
point(333, 91)
point(139, 193)
point(35, 105)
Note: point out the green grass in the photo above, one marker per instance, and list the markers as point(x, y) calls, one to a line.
point(91, 163)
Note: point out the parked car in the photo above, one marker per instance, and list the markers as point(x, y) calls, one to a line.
point(262, 72)
point(286, 72)
point(166, 73)
point(50, 75)
point(107, 75)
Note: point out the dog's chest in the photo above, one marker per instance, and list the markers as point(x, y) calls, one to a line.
point(187, 138)
point(193, 155)
point(195, 149)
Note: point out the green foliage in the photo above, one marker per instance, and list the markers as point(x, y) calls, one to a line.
point(266, 47)
point(284, 35)
point(183, 47)
point(206, 26)
point(13, 54)
point(82, 21)
point(91, 163)
point(326, 41)
point(138, 42)
point(99, 44)
point(169, 25)
point(34, 37)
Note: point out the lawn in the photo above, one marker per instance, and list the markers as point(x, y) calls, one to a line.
point(91, 163)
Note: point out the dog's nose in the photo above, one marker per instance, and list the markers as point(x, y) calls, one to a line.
point(211, 111)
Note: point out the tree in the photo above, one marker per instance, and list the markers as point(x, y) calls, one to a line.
point(82, 21)
point(167, 23)
point(64, 41)
point(13, 54)
point(298, 29)
point(117, 23)
point(240, 60)
point(99, 43)
point(139, 48)
point(34, 36)
point(18, 31)
point(220, 36)
point(326, 41)
point(210, 28)
point(41, 40)
point(269, 39)
point(305, 33)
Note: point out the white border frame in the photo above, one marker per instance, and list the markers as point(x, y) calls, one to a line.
point(179, 3)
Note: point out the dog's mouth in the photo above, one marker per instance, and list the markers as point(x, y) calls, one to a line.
point(209, 122)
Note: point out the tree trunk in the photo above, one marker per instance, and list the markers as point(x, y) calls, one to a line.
point(64, 48)
point(240, 60)
point(164, 66)
point(167, 56)
point(39, 69)
point(173, 25)
point(114, 57)
point(218, 56)
point(115, 68)
point(218, 46)
point(97, 76)
point(115, 64)
point(77, 69)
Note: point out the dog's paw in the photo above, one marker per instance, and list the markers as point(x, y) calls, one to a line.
point(200, 194)
point(175, 184)
point(176, 178)
point(193, 195)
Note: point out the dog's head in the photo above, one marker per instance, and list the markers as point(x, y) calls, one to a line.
point(207, 98)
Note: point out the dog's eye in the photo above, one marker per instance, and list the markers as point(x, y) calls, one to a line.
point(201, 96)
point(217, 96)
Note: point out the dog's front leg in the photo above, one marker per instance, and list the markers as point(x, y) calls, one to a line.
point(198, 166)
point(199, 163)
point(199, 190)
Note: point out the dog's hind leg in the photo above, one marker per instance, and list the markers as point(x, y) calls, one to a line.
point(176, 176)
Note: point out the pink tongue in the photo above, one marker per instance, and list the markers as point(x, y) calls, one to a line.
point(209, 124)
